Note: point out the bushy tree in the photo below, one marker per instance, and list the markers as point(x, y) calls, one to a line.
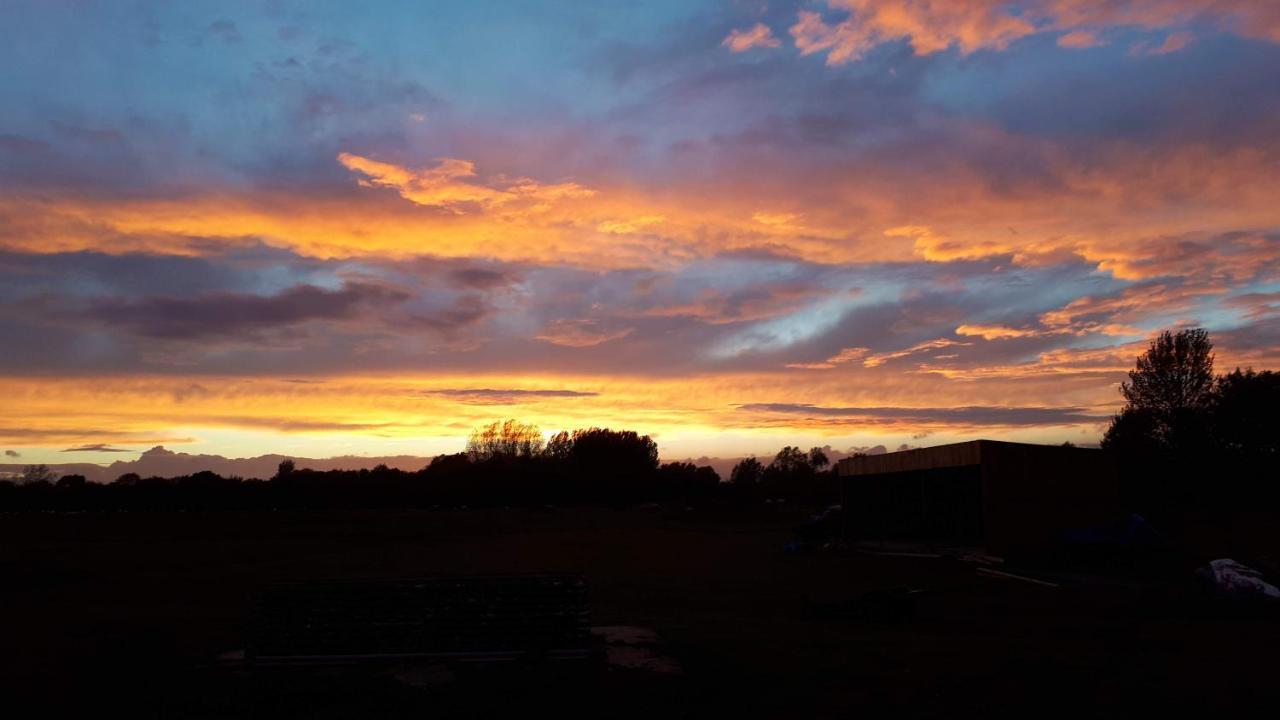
point(789, 461)
point(34, 474)
point(615, 451)
point(818, 459)
point(559, 447)
point(795, 473)
point(687, 481)
point(71, 482)
point(509, 439)
point(285, 469)
point(1246, 414)
point(1167, 396)
point(746, 473)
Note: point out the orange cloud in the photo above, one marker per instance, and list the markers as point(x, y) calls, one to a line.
point(930, 27)
point(972, 25)
point(629, 226)
point(1132, 212)
point(882, 358)
point(1082, 364)
point(995, 332)
point(758, 35)
point(446, 185)
point(1106, 315)
point(846, 355)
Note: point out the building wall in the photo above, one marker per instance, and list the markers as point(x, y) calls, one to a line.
point(1012, 497)
point(937, 504)
point(1033, 493)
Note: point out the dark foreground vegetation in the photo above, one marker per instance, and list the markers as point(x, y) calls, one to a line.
point(506, 465)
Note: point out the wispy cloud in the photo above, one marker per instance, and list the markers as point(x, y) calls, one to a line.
point(973, 25)
point(98, 447)
point(451, 185)
point(223, 314)
point(505, 396)
point(580, 333)
point(756, 36)
point(967, 416)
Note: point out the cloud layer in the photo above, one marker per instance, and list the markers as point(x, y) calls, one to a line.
point(851, 223)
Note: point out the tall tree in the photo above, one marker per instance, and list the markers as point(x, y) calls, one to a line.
point(1167, 396)
point(746, 473)
point(818, 459)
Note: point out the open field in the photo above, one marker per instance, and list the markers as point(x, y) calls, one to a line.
point(120, 609)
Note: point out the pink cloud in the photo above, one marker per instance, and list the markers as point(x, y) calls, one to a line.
point(756, 36)
point(1079, 40)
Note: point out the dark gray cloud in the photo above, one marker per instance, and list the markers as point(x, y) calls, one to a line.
point(993, 416)
point(97, 447)
point(465, 311)
point(479, 278)
point(225, 314)
point(499, 396)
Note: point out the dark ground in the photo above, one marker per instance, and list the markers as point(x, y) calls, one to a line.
point(118, 611)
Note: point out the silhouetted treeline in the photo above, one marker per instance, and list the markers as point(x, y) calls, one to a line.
point(505, 465)
point(793, 475)
point(1187, 438)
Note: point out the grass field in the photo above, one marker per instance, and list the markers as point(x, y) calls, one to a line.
point(121, 610)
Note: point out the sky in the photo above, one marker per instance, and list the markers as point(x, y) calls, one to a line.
point(329, 228)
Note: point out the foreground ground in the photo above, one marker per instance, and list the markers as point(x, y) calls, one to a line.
point(122, 610)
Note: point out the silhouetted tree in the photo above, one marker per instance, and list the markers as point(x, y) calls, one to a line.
point(687, 481)
point(449, 463)
point(71, 482)
point(789, 461)
point(1167, 395)
point(746, 473)
point(33, 474)
point(559, 447)
point(818, 459)
point(509, 439)
point(798, 475)
point(1246, 414)
point(285, 469)
point(622, 458)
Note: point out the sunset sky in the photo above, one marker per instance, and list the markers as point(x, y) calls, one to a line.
point(327, 228)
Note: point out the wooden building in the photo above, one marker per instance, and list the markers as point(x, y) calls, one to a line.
point(1010, 498)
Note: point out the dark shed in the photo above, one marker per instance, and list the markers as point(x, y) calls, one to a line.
point(1008, 497)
